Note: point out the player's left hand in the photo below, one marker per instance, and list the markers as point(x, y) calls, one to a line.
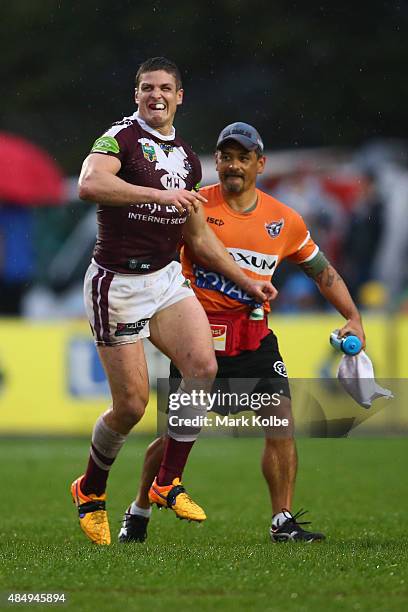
point(353, 327)
point(261, 291)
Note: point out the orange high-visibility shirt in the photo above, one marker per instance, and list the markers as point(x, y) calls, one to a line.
point(258, 241)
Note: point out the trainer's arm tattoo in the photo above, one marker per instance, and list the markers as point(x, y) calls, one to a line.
point(334, 289)
point(327, 277)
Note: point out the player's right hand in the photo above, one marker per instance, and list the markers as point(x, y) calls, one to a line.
point(185, 201)
point(262, 291)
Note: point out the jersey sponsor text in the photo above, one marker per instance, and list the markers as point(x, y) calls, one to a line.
point(261, 263)
point(204, 279)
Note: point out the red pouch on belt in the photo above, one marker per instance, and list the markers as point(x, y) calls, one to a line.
point(234, 332)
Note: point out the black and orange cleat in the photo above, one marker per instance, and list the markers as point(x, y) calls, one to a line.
point(93, 517)
point(174, 496)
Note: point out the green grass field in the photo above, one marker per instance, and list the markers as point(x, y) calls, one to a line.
point(356, 491)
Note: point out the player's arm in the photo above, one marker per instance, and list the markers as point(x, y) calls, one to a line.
point(334, 289)
point(99, 182)
point(208, 250)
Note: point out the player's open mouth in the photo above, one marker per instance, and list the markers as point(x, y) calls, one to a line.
point(159, 106)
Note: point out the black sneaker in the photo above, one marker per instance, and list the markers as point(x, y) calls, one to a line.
point(134, 528)
point(291, 529)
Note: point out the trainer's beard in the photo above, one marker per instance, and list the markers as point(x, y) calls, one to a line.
point(234, 186)
point(234, 189)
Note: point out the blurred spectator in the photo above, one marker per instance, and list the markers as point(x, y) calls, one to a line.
point(29, 178)
point(16, 257)
point(304, 191)
point(363, 235)
point(390, 262)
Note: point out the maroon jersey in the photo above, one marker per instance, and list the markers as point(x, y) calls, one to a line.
point(143, 238)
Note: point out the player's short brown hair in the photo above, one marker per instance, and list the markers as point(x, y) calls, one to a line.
point(159, 63)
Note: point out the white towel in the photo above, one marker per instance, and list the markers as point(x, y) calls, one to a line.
point(356, 374)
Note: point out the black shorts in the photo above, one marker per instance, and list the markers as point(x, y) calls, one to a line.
point(261, 371)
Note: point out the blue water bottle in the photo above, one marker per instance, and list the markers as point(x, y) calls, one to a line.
point(350, 345)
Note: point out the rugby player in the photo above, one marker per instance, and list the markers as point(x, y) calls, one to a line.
point(259, 232)
point(143, 177)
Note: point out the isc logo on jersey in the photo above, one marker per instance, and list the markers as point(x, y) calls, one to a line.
point(260, 263)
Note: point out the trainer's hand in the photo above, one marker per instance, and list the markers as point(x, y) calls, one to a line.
point(262, 291)
point(185, 201)
point(354, 327)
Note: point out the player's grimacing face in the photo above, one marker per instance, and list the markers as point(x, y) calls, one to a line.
point(238, 168)
point(157, 97)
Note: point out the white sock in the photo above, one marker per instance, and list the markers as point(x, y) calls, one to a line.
point(279, 518)
point(135, 509)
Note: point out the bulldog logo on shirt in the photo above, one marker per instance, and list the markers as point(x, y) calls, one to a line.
point(274, 228)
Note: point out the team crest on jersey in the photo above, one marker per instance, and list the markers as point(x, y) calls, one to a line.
point(149, 153)
point(274, 228)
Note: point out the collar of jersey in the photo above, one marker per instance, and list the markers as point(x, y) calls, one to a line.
point(235, 213)
point(146, 127)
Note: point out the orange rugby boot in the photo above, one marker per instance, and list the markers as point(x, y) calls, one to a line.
point(93, 517)
point(174, 496)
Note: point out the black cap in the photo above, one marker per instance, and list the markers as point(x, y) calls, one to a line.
point(245, 134)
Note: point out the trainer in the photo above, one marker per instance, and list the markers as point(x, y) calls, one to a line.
point(259, 232)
